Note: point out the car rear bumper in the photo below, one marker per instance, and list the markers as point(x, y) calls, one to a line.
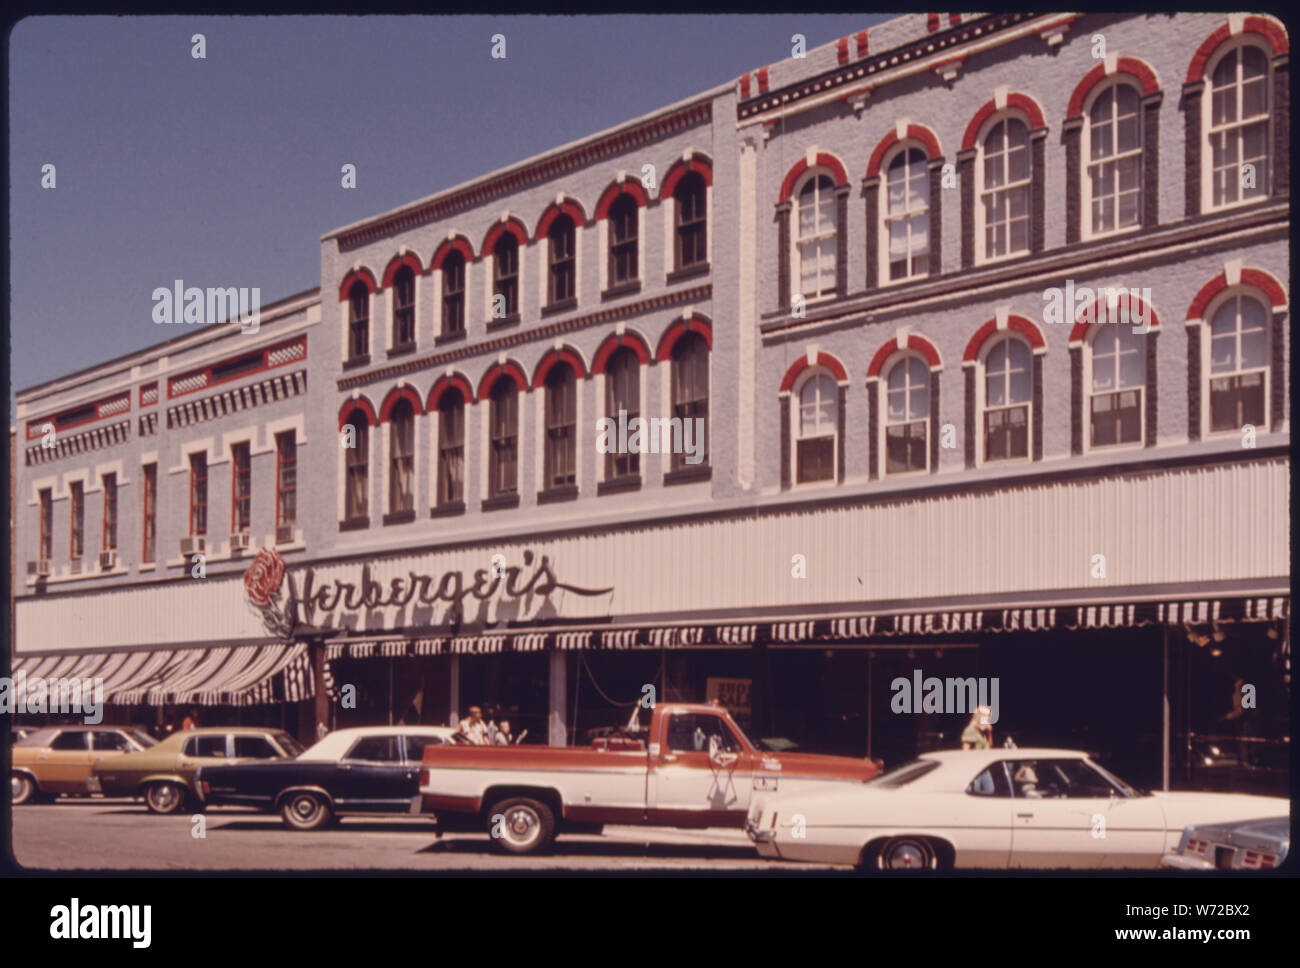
point(1186, 862)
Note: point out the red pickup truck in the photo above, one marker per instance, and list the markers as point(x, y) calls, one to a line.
point(690, 766)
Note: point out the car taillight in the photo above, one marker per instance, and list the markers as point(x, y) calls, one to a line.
point(424, 778)
point(207, 788)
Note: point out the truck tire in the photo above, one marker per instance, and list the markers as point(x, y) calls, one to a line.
point(518, 825)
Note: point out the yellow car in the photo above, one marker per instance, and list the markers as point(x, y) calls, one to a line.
point(164, 773)
point(58, 759)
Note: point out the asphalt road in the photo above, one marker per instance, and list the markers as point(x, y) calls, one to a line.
point(102, 834)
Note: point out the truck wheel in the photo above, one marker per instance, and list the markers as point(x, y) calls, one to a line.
point(24, 790)
point(306, 811)
point(164, 797)
point(519, 825)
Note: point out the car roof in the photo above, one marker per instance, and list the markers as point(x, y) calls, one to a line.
point(338, 741)
point(37, 736)
point(998, 753)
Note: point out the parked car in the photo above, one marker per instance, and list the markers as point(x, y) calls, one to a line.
point(1259, 845)
point(689, 765)
point(999, 808)
point(58, 759)
point(164, 773)
point(18, 732)
point(364, 770)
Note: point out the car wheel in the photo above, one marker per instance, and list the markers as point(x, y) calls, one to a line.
point(306, 811)
point(520, 825)
point(23, 788)
point(164, 798)
point(905, 853)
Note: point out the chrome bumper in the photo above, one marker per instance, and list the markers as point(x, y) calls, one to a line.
point(417, 803)
point(1186, 862)
point(756, 835)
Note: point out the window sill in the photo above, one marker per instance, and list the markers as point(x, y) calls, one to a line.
point(625, 289)
point(148, 566)
point(690, 272)
point(619, 484)
point(563, 306)
point(398, 517)
point(448, 510)
point(404, 350)
point(355, 524)
point(357, 362)
point(453, 337)
point(691, 472)
point(505, 322)
point(500, 501)
point(552, 495)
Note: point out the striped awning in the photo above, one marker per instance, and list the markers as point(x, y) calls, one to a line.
point(228, 675)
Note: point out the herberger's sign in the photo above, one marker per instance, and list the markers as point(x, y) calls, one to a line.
point(265, 576)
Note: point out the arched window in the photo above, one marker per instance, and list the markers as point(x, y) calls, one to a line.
point(1007, 396)
point(503, 420)
point(505, 274)
point(907, 416)
point(562, 260)
point(1113, 179)
point(401, 462)
point(1004, 195)
point(906, 223)
point(816, 432)
point(816, 240)
point(561, 426)
point(1238, 128)
point(623, 241)
point(404, 307)
point(453, 293)
point(623, 403)
point(356, 504)
point(690, 392)
point(690, 199)
point(1239, 360)
point(1118, 385)
point(358, 321)
point(451, 448)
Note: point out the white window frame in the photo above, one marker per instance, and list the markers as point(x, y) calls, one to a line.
point(796, 435)
point(884, 423)
point(1228, 295)
point(910, 144)
point(796, 259)
point(1088, 393)
point(1088, 231)
point(981, 403)
point(982, 256)
point(1207, 129)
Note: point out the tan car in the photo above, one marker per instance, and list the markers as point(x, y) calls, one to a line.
point(58, 759)
point(164, 773)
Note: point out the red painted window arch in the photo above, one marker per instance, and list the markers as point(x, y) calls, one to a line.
point(512, 225)
point(628, 187)
point(1016, 102)
point(1259, 279)
point(553, 211)
point(360, 404)
point(410, 259)
point(698, 163)
point(616, 341)
point(1015, 324)
point(695, 324)
point(1274, 34)
point(1132, 67)
point(1100, 312)
point(824, 360)
point(457, 243)
point(915, 132)
point(357, 275)
point(915, 343)
point(453, 381)
point(564, 355)
point(824, 160)
point(511, 369)
point(400, 393)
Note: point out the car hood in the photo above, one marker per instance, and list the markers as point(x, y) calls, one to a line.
point(1182, 809)
point(815, 765)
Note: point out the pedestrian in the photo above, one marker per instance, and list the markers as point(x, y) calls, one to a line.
point(473, 728)
point(978, 734)
point(192, 720)
point(501, 733)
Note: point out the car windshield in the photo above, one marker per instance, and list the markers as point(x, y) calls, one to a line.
point(902, 775)
point(143, 738)
point(290, 745)
point(1125, 789)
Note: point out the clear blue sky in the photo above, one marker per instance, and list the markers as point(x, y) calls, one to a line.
point(225, 171)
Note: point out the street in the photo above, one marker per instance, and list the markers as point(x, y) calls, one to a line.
point(119, 834)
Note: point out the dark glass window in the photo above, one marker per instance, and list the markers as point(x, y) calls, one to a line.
point(286, 478)
point(561, 426)
point(70, 741)
point(47, 524)
point(110, 513)
point(691, 197)
point(255, 748)
point(453, 293)
point(505, 272)
point(504, 420)
point(623, 395)
point(623, 240)
point(561, 236)
point(451, 448)
point(150, 511)
point(78, 520)
point(401, 476)
point(377, 749)
point(357, 462)
point(358, 320)
point(198, 494)
point(404, 307)
point(242, 496)
point(690, 376)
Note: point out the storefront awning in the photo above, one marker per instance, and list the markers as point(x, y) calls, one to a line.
point(230, 675)
point(829, 631)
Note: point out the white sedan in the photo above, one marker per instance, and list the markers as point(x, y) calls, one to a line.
point(994, 808)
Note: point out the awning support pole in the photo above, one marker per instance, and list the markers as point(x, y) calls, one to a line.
point(1164, 729)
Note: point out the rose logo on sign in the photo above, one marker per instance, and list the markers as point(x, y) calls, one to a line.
point(262, 584)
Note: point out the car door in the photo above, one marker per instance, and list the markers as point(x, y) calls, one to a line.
point(981, 829)
point(685, 787)
point(1058, 809)
point(64, 766)
point(371, 778)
